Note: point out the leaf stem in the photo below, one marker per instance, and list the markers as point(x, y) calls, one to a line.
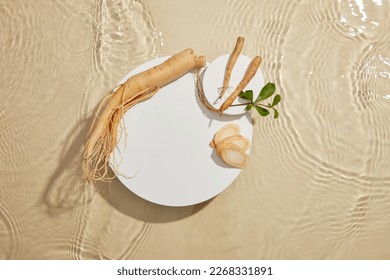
point(241, 104)
point(245, 104)
point(263, 105)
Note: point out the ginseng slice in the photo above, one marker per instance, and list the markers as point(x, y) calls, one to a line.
point(233, 155)
point(225, 132)
point(238, 140)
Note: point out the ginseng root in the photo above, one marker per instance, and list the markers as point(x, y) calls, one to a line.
point(102, 137)
point(249, 74)
point(230, 64)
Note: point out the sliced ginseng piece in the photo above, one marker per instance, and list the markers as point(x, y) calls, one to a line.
point(238, 140)
point(233, 155)
point(225, 132)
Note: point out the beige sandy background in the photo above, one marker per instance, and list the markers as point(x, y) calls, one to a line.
point(317, 185)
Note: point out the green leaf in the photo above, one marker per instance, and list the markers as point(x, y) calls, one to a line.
point(277, 99)
point(266, 92)
point(248, 107)
point(248, 95)
point(263, 112)
point(276, 113)
point(242, 94)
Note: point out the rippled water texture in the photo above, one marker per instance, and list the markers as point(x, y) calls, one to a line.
point(318, 182)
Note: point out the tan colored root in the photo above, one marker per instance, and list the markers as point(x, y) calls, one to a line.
point(95, 167)
point(249, 74)
point(201, 95)
point(230, 64)
point(102, 137)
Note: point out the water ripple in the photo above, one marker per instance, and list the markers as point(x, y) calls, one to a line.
point(11, 230)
